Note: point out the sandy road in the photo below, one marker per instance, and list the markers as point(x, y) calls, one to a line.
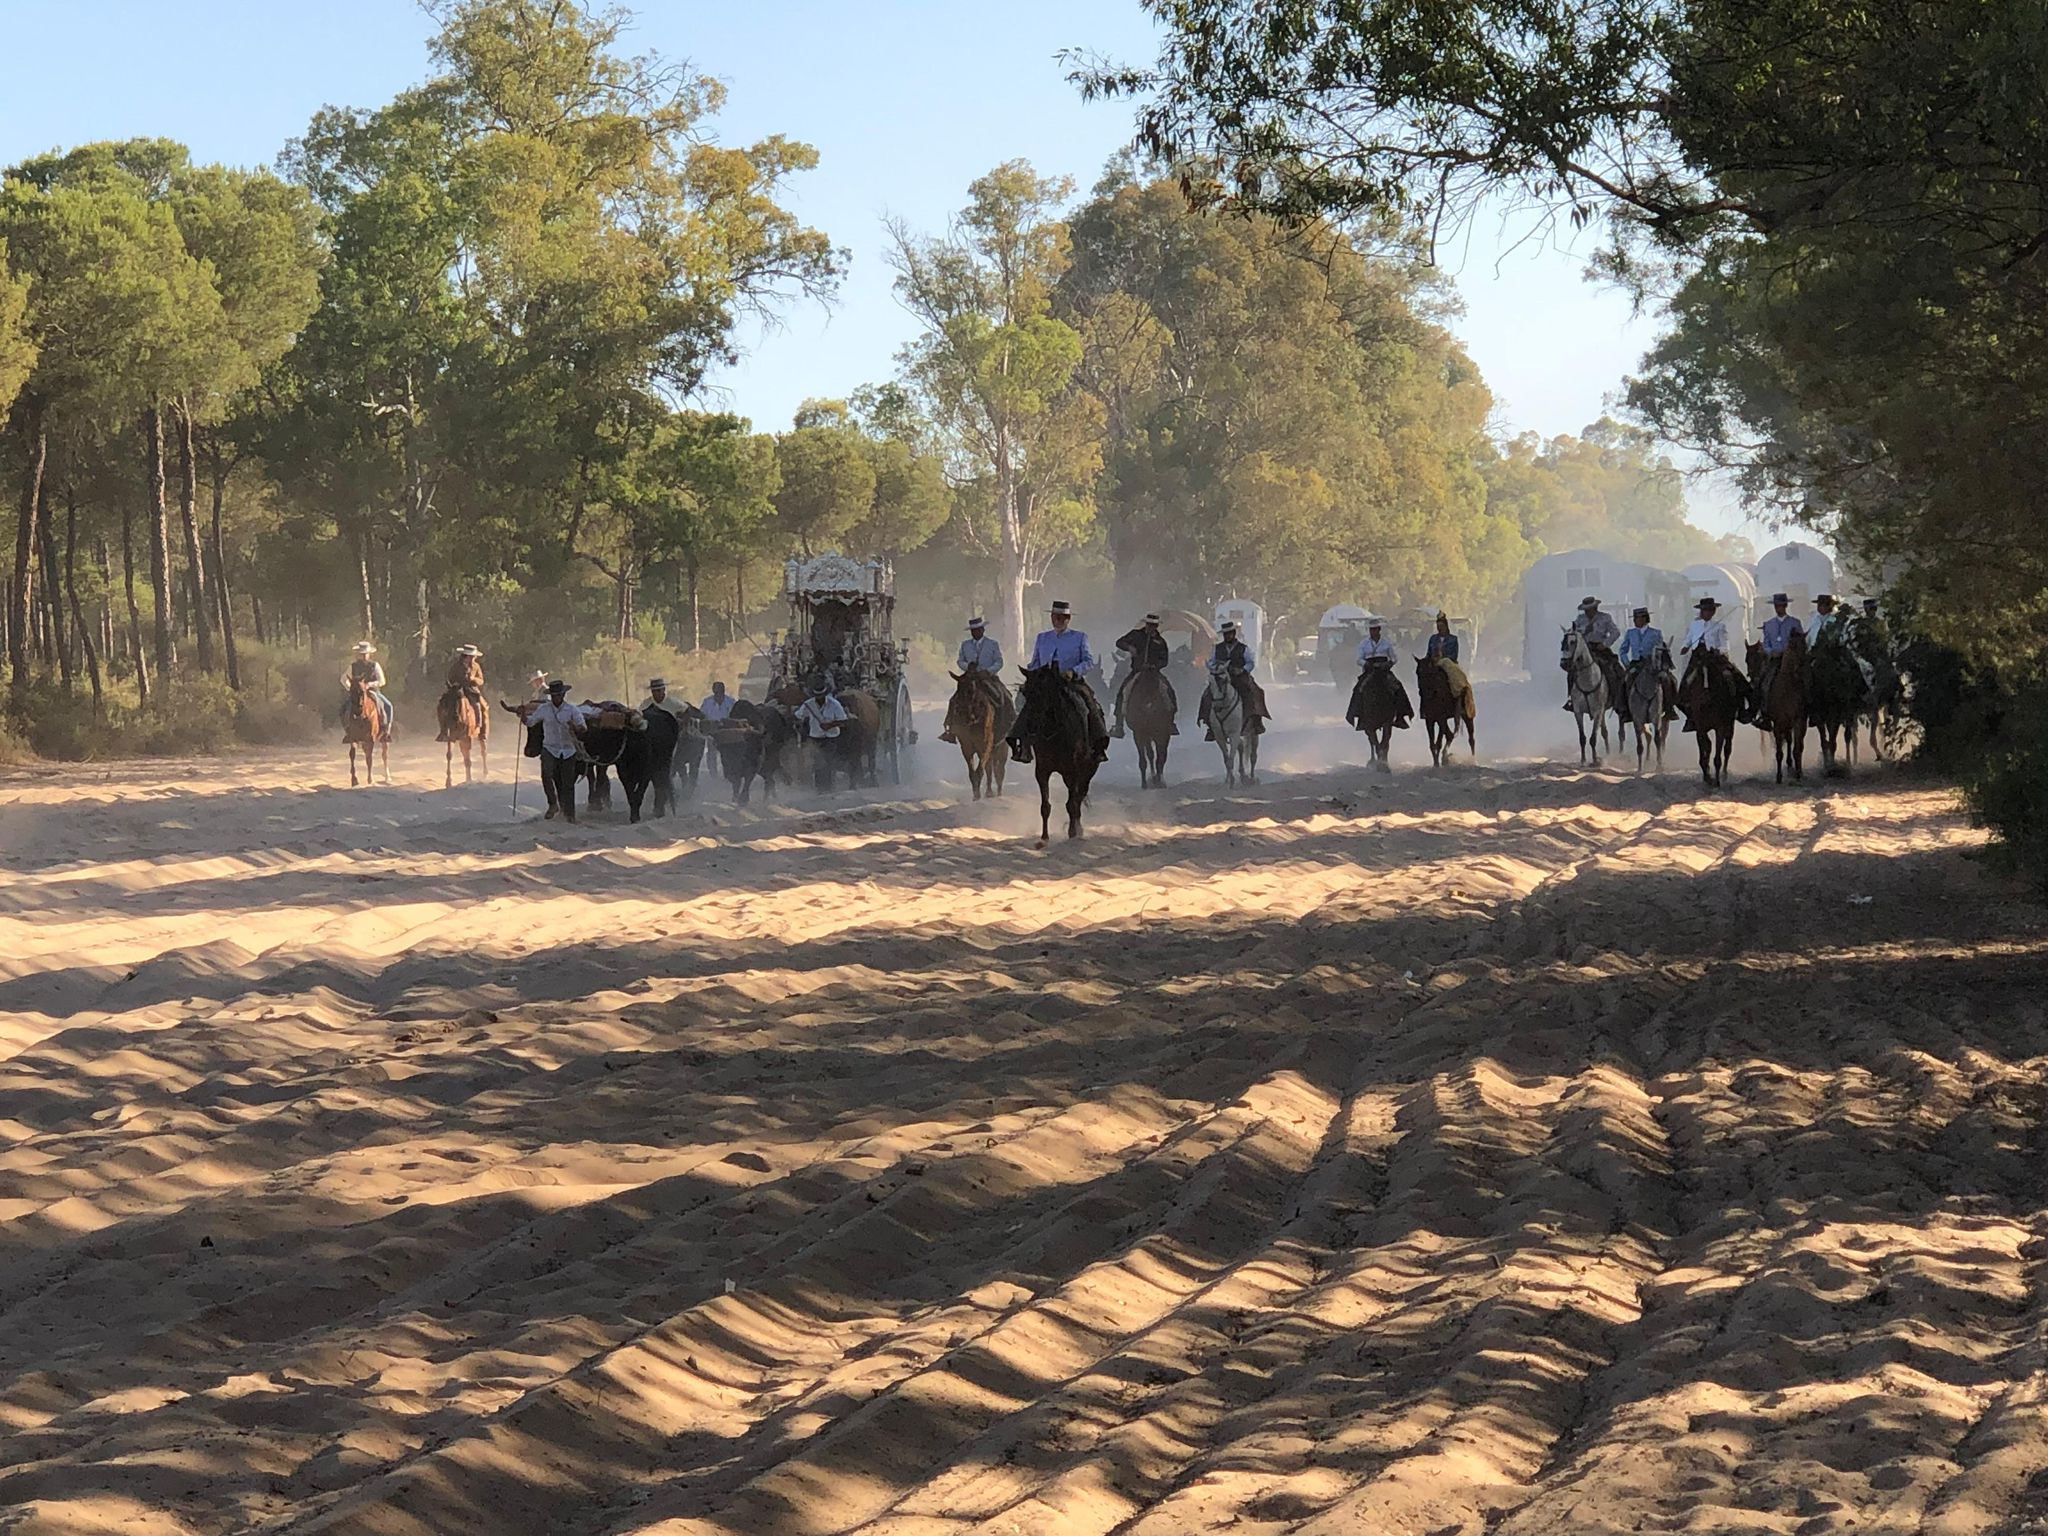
point(1502, 1149)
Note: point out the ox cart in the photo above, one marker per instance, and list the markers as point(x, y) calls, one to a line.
point(842, 627)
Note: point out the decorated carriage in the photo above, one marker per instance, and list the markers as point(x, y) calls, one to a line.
point(842, 627)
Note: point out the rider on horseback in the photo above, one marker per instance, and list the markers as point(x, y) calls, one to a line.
point(1236, 658)
point(1143, 649)
point(1376, 656)
point(465, 682)
point(1778, 632)
point(368, 671)
point(1642, 644)
point(1706, 650)
point(980, 652)
point(1601, 633)
point(1065, 647)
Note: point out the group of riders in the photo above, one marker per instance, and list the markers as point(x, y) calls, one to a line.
point(1141, 651)
point(1144, 650)
point(1623, 655)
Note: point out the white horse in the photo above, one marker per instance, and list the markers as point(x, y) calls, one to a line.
point(1648, 691)
point(1586, 693)
point(1231, 725)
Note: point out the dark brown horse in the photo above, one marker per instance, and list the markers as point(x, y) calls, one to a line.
point(1151, 706)
point(979, 716)
point(464, 720)
point(1379, 707)
point(1711, 697)
point(1053, 724)
point(363, 725)
point(1445, 706)
point(1782, 710)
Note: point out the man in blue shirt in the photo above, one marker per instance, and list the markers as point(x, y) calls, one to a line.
point(979, 652)
point(1780, 627)
point(1640, 643)
point(1065, 647)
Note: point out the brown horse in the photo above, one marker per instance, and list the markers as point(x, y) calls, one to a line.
point(1445, 706)
point(1150, 705)
point(363, 725)
point(1711, 697)
point(979, 716)
point(1054, 725)
point(1783, 710)
point(464, 720)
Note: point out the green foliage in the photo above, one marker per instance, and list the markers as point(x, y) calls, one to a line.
point(17, 347)
point(2006, 781)
point(828, 481)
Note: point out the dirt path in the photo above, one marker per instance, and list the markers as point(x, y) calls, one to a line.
point(1501, 1149)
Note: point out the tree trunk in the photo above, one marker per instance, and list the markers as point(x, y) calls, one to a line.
point(159, 540)
point(696, 614)
point(20, 595)
point(1012, 566)
point(188, 515)
point(78, 624)
point(134, 609)
point(223, 596)
point(53, 594)
point(423, 626)
point(256, 617)
point(363, 568)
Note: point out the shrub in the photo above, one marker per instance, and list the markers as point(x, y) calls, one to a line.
point(2007, 784)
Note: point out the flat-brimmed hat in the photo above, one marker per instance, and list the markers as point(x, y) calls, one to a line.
point(1641, 613)
point(1151, 618)
point(363, 647)
point(1779, 597)
point(977, 622)
point(656, 682)
point(467, 650)
point(1709, 604)
point(1230, 626)
point(1825, 597)
point(816, 685)
point(1063, 607)
point(1589, 602)
point(558, 685)
point(1374, 621)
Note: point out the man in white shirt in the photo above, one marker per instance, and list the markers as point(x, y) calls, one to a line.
point(1706, 647)
point(717, 705)
point(1375, 647)
point(561, 740)
point(822, 718)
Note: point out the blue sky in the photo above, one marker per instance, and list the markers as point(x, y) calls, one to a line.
point(906, 100)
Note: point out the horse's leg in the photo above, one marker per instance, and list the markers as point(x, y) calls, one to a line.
point(1077, 791)
point(1044, 798)
point(1252, 742)
point(351, 765)
point(448, 770)
point(384, 751)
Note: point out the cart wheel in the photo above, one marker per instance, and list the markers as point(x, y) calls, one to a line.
point(900, 733)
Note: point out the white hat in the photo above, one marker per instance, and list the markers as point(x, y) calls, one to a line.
point(1061, 606)
point(467, 650)
point(1230, 626)
point(363, 647)
point(1151, 618)
point(656, 682)
point(977, 622)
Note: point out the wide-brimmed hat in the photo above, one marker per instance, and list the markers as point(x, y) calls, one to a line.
point(1641, 613)
point(1709, 604)
point(1230, 626)
point(656, 682)
point(1062, 607)
point(1825, 597)
point(1779, 597)
point(467, 650)
point(1589, 602)
point(363, 648)
point(1151, 618)
point(1374, 621)
point(558, 685)
point(816, 685)
point(977, 622)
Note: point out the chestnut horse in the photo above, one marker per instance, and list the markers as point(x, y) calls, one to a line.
point(979, 717)
point(363, 725)
point(464, 720)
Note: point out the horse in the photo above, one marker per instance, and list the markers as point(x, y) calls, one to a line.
point(754, 744)
point(1585, 693)
point(1231, 724)
point(979, 716)
point(1053, 724)
point(1650, 693)
point(363, 725)
point(1711, 697)
point(1444, 707)
point(1884, 707)
point(1379, 706)
point(689, 753)
point(1782, 711)
point(464, 720)
point(1835, 691)
point(1151, 705)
